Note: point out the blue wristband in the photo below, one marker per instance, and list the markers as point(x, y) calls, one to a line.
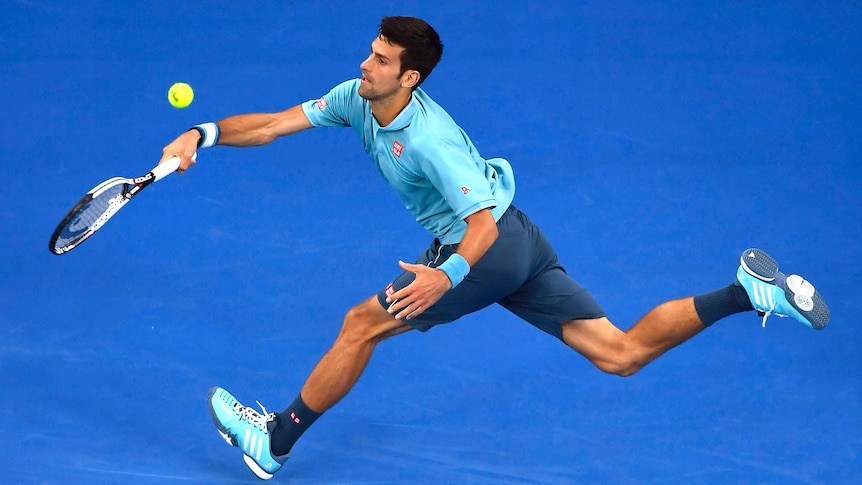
point(209, 134)
point(456, 268)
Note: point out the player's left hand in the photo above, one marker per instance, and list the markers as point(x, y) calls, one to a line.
point(428, 287)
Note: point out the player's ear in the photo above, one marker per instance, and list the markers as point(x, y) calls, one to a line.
point(410, 79)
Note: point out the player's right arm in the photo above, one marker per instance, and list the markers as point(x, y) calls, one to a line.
point(261, 128)
point(244, 130)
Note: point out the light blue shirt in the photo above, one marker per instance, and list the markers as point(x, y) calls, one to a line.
point(428, 159)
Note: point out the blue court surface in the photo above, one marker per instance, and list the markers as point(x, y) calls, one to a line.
point(653, 141)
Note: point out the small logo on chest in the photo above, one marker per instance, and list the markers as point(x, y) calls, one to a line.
point(397, 148)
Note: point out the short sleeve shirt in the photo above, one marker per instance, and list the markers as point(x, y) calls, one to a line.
point(426, 157)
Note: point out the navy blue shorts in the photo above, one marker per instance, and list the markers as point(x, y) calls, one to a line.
point(520, 271)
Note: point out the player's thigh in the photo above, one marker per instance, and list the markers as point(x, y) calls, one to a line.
point(593, 337)
point(551, 299)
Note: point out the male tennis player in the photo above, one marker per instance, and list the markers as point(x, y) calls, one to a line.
point(484, 251)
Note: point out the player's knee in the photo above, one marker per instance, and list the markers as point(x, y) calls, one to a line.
point(624, 361)
point(360, 325)
point(354, 328)
point(626, 369)
point(618, 367)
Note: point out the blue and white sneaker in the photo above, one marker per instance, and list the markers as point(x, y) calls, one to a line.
point(246, 428)
point(773, 293)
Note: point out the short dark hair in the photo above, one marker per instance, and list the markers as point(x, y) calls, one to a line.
point(422, 46)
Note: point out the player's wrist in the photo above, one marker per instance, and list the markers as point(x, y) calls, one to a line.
point(209, 134)
point(456, 268)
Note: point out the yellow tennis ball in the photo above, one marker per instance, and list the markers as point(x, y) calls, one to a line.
point(180, 95)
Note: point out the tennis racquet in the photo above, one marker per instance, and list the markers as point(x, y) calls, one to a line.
point(101, 203)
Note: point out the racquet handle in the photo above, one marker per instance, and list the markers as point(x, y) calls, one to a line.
point(169, 166)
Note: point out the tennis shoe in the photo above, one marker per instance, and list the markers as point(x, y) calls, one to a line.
point(247, 429)
point(773, 293)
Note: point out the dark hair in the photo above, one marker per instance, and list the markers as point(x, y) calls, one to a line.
point(422, 46)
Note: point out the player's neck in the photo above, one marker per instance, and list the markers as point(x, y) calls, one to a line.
point(387, 109)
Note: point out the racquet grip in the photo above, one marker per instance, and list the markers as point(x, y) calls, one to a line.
point(168, 167)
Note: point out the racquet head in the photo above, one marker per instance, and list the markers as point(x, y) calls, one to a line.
point(90, 213)
point(101, 203)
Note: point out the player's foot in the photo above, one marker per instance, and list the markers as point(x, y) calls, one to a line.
point(246, 428)
point(773, 293)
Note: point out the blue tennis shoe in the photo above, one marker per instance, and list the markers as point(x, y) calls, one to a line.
point(773, 293)
point(247, 429)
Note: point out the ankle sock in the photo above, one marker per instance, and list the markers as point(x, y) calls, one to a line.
point(715, 305)
point(290, 424)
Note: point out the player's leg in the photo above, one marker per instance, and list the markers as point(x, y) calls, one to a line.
point(266, 439)
point(759, 286)
point(558, 305)
point(369, 323)
point(624, 353)
point(365, 325)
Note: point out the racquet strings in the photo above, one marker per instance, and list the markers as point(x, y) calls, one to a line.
point(83, 219)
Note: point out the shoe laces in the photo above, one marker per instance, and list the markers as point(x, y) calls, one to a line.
point(769, 312)
point(253, 417)
point(765, 316)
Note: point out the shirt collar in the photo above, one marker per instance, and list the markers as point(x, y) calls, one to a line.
point(404, 117)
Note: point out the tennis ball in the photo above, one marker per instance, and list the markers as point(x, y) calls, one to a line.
point(180, 95)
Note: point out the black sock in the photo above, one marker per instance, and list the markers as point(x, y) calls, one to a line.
point(291, 423)
point(715, 305)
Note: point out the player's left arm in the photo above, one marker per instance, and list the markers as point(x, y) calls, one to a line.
point(431, 283)
point(480, 235)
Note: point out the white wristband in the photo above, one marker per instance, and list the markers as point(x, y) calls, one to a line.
point(209, 134)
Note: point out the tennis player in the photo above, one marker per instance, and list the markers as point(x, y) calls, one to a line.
point(484, 250)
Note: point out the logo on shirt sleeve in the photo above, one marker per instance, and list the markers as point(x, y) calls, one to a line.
point(465, 189)
point(321, 103)
point(397, 148)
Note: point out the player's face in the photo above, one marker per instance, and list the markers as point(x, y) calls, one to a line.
point(380, 71)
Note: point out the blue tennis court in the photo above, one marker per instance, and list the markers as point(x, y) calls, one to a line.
point(652, 141)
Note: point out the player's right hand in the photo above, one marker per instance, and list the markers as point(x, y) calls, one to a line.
point(184, 147)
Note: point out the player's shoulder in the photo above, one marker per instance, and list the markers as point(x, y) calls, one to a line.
point(429, 144)
point(436, 115)
point(435, 130)
point(425, 135)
